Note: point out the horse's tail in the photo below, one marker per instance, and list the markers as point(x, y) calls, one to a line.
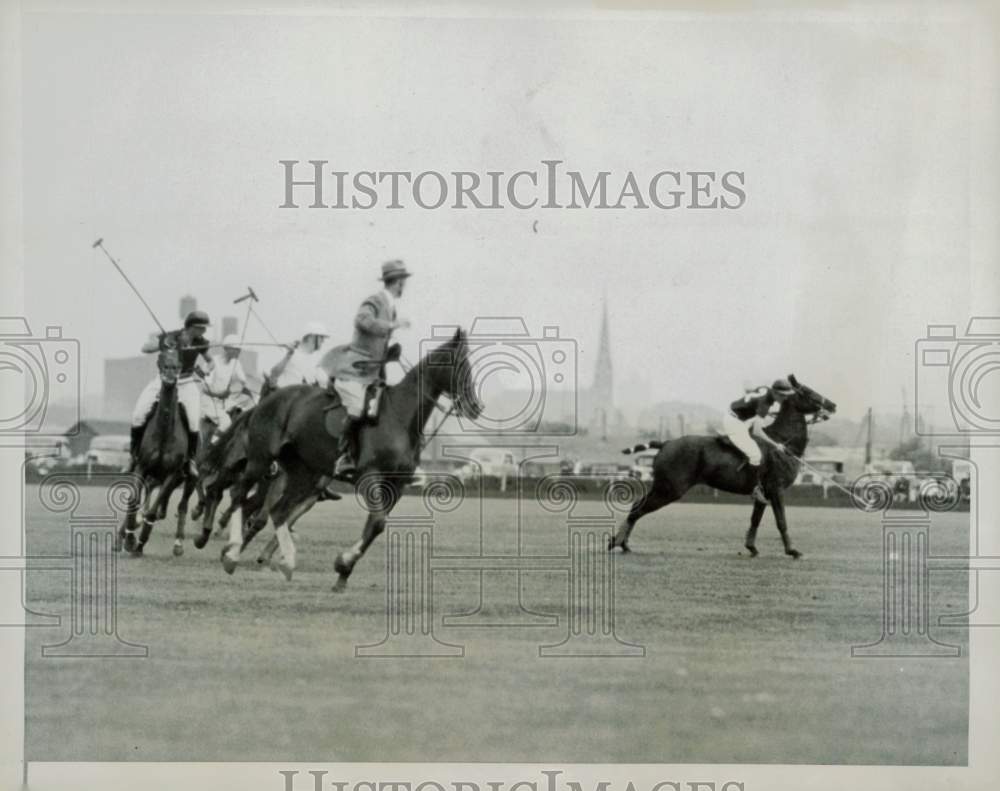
point(653, 445)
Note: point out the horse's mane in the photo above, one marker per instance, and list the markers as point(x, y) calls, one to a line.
point(419, 371)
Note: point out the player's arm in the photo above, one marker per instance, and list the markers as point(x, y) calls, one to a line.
point(279, 367)
point(368, 321)
point(763, 410)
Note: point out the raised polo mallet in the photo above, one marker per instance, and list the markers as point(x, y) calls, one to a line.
point(100, 243)
point(249, 295)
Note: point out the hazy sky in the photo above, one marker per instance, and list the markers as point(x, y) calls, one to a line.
point(163, 134)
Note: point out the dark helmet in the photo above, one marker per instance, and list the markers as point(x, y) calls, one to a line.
point(783, 386)
point(196, 318)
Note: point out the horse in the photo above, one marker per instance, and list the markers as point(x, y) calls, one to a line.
point(220, 466)
point(161, 462)
point(713, 460)
point(290, 427)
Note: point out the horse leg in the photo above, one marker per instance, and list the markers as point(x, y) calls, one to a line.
point(778, 506)
point(182, 509)
point(227, 512)
point(751, 539)
point(148, 515)
point(257, 510)
point(374, 525)
point(299, 496)
point(208, 505)
point(126, 532)
point(253, 473)
point(653, 500)
point(268, 551)
point(199, 507)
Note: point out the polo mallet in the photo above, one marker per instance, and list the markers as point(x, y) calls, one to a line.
point(250, 297)
point(100, 243)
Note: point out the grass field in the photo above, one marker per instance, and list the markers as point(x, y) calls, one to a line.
point(746, 660)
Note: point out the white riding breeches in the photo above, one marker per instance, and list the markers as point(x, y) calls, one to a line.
point(738, 432)
point(217, 409)
point(188, 395)
point(352, 394)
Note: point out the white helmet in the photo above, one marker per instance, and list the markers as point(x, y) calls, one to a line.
point(231, 341)
point(316, 328)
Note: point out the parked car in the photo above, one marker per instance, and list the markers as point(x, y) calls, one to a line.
point(486, 463)
point(599, 470)
point(110, 451)
point(436, 469)
point(642, 466)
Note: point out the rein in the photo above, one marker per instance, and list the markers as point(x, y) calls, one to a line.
point(434, 433)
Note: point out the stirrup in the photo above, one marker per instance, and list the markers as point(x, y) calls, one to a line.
point(345, 469)
point(345, 466)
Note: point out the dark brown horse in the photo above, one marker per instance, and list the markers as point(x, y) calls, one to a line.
point(161, 464)
point(290, 426)
point(714, 461)
point(220, 466)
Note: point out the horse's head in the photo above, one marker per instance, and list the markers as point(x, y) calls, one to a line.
point(450, 371)
point(808, 402)
point(169, 364)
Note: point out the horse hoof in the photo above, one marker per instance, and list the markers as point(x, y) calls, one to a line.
point(130, 542)
point(200, 541)
point(178, 550)
point(794, 553)
point(136, 551)
point(752, 550)
point(340, 585)
point(626, 549)
point(227, 562)
point(285, 569)
point(342, 568)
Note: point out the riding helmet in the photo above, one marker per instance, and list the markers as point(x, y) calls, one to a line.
point(783, 386)
point(196, 318)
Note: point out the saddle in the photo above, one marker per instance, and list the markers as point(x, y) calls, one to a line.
point(335, 415)
point(727, 443)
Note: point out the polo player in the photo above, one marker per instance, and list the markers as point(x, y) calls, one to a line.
point(300, 365)
point(356, 365)
point(192, 348)
point(746, 419)
point(226, 386)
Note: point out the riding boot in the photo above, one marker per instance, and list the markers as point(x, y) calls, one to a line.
point(192, 463)
point(758, 489)
point(346, 464)
point(135, 440)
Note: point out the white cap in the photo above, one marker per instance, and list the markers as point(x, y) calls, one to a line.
point(231, 340)
point(316, 328)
